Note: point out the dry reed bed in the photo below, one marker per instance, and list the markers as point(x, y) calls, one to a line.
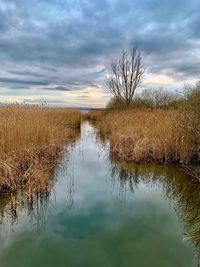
point(31, 139)
point(93, 115)
point(149, 135)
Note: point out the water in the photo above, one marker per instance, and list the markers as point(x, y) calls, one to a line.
point(104, 213)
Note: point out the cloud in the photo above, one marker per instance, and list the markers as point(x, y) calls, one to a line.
point(68, 45)
point(13, 81)
point(44, 100)
point(57, 88)
point(27, 73)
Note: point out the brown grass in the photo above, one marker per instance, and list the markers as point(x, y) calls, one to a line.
point(31, 139)
point(150, 135)
point(93, 115)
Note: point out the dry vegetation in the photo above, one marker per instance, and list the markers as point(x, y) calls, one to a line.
point(147, 135)
point(155, 125)
point(93, 115)
point(164, 135)
point(31, 139)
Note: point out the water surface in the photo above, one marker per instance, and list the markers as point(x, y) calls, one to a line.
point(104, 213)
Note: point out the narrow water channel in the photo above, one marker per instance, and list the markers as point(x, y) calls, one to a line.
point(103, 213)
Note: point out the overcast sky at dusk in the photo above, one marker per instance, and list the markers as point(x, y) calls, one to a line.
point(59, 51)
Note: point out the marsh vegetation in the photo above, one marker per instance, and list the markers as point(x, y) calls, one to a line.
point(31, 140)
point(154, 127)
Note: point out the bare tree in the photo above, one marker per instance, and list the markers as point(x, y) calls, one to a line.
point(126, 75)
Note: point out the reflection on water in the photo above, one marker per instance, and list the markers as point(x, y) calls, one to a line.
point(101, 212)
point(14, 206)
point(182, 192)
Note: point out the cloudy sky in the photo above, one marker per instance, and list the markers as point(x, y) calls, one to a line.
point(59, 51)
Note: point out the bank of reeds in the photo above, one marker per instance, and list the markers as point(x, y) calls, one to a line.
point(93, 115)
point(31, 140)
point(165, 134)
point(148, 135)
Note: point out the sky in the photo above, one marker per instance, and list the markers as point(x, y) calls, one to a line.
point(59, 51)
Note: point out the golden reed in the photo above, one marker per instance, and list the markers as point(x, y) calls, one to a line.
point(149, 135)
point(31, 139)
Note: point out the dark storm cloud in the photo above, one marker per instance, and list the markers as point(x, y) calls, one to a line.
point(63, 40)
